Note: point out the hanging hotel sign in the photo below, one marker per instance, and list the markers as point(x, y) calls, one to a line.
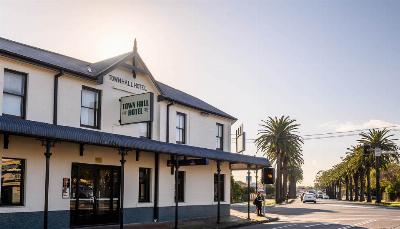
point(136, 108)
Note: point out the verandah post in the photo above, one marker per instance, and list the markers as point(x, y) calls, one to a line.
point(123, 152)
point(218, 192)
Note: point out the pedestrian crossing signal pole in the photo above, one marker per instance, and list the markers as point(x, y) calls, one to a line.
point(378, 153)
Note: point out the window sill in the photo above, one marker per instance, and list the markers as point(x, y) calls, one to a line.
point(12, 206)
point(90, 127)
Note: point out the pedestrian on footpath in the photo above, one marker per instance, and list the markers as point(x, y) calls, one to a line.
point(258, 201)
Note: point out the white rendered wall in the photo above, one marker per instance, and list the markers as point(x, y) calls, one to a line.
point(199, 180)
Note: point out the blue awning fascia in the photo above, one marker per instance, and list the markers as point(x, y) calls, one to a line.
point(22, 127)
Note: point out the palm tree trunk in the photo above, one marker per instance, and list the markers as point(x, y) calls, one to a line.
point(339, 185)
point(292, 186)
point(351, 188)
point(369, 197)
point(285, 177)
point(347, 187)
point(355, 186)
point(278, 182)
point(362, 185)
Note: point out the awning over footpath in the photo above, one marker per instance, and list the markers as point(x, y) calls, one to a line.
point(21, 127)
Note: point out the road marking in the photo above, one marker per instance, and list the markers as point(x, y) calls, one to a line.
point(350, 206)
point(289, 225)
point(318, 224)
point(358, 224)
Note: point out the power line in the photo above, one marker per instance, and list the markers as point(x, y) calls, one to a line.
point(333, 134)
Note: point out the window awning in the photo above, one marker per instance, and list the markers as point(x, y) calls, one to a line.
point(21, 127)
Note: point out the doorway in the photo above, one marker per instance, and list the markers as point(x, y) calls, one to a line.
point(94, 194)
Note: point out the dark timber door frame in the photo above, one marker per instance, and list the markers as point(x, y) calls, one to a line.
point(94, 194)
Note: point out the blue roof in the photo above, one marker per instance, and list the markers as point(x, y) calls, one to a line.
point(22, 127)
point(185, 99)
point(98, 69)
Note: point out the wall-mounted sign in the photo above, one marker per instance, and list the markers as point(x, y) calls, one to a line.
point(65, 188)
point(136, 108)
point(240, 137)
point(127, 83)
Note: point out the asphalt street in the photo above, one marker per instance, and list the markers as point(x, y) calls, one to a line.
point(330, 214)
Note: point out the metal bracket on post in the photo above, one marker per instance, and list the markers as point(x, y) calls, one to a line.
point(137, 155)
point(81, 149)
point(6, 140)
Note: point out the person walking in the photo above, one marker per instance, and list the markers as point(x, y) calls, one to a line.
point(258, 202)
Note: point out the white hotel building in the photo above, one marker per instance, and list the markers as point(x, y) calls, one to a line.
point(72, 155)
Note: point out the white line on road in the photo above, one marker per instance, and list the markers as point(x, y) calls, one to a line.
point(290, 225)
point(358, 224)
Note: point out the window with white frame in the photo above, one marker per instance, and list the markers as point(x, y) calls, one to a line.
point(14, 93)
point(180, 128)
point(90, 107)
point(219, 137)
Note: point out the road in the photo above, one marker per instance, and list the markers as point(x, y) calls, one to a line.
point(329, 214)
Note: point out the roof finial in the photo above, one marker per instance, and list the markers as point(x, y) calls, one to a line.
point(135, 46)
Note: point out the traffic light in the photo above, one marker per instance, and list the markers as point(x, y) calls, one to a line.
point(268, 175)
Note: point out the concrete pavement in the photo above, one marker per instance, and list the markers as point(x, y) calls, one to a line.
point(331, 214)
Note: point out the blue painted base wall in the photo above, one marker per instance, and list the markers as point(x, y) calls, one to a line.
point(61, 219)
point(34, 220)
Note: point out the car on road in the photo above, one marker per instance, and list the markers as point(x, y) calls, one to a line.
point(310, 197)
point(320, 195)
point(325, 196)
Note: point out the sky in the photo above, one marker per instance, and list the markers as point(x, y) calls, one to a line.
point(331, 65)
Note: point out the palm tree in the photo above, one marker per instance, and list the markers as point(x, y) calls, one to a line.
point(376, 138)
point(295, 175)
point(278, 138)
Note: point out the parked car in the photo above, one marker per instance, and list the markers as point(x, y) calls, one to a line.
point(320, 195)
point(325, 196)
point(310, 197)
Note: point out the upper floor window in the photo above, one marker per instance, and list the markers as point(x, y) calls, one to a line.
point(180, 128)
point(14, 93)
point(90, 107)
point(12, 181)
point(220, 137)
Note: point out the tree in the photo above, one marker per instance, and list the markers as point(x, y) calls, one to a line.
point(376, 138)
point(295, 175)
point(279, 141)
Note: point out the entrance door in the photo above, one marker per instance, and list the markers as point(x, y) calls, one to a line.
point(94, 194)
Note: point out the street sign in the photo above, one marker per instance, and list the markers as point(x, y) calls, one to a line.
point(378, 152)
point(248, 179)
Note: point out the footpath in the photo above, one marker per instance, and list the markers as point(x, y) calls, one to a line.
point(238, 218)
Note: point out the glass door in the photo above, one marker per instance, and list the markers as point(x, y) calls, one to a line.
point(95, 194)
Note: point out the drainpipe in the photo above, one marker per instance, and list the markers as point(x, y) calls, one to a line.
point(167, 132)
point(167, 129)
point(55, 96)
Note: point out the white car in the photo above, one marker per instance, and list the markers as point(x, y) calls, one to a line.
point(325, 196)
point(309, 197)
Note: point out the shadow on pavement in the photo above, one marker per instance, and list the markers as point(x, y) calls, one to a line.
point(282, 210)
point(313, 225)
